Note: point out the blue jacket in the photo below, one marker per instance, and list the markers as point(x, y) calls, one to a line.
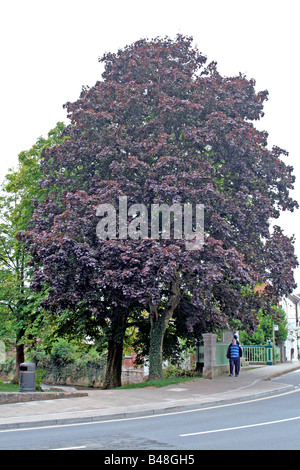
point(229, 348)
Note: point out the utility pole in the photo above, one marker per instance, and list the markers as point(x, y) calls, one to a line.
point(275, 328)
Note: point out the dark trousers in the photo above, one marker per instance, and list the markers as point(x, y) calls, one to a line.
point(234, 362)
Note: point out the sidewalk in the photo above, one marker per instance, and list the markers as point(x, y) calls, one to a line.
point(99, 405)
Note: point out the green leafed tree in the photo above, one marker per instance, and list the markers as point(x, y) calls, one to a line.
point(264, 330)
point(20, 190)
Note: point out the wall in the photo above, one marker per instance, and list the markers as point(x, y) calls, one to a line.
point(290, 305)
point(211, 368)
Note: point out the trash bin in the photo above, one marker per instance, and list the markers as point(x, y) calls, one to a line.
point(27, 377)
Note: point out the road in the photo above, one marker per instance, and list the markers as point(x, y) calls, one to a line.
point(271, 422)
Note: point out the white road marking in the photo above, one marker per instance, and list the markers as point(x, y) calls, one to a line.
point(70, 448)
point(177, 389)
point(239, 427)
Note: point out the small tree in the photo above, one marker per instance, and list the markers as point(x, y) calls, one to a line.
point(264, 330)
point(18, 303)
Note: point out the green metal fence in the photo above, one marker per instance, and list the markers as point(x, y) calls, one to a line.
point(258, 354)
point(255, 353)
point(200, 354)
point(252, 354)
point(221, 350)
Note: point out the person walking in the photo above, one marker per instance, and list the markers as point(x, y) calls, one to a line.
point(234, 353)
point(237, 340)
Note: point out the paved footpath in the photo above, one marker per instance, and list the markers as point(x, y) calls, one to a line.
point(99, 405)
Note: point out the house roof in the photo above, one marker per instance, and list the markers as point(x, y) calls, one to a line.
point(294, 298)
point(259, 288)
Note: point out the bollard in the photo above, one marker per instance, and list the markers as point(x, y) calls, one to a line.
point(27, 377)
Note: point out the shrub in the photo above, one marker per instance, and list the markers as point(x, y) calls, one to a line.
point(62, 352)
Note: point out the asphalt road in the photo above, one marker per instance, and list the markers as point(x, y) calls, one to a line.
point(259, 424)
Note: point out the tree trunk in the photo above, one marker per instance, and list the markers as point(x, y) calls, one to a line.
point(115, 350)
point(157, 333)
point(20, 358)
point(114, 365)
point(159, 323)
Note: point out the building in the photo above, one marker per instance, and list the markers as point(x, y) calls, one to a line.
point(291, 306)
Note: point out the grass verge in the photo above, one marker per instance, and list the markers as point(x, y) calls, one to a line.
point(160, 382)
point(8, 387)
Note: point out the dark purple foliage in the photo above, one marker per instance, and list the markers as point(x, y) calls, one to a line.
point(162, 127)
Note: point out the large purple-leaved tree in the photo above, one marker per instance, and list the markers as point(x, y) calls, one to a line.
point(162, 127)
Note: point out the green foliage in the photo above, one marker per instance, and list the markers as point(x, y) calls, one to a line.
point(39, 378)
point(18, 303)
point(68, 359)
point(257, 338)
point(8, 367)
point(62, 352)
point(172, 371)
point(280, 320)
point(264, 330)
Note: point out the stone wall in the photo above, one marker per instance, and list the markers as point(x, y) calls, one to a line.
point(86, 377)
point(11, 397)
point(211, 369)
point(131, 373)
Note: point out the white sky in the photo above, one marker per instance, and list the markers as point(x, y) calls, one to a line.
point(50, 49)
